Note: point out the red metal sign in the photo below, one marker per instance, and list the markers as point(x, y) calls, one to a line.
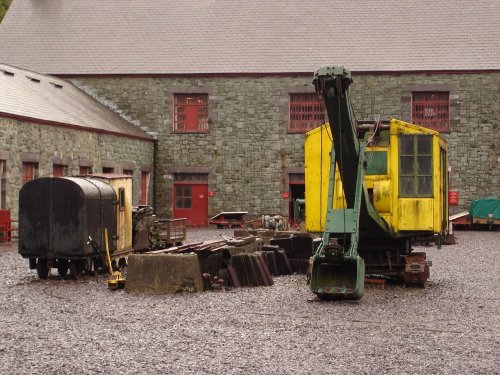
point(453, 197)
point(211, 194)
point(285, 195)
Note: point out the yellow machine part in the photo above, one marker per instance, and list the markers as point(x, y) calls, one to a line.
point(122, 185)
point(401, 213)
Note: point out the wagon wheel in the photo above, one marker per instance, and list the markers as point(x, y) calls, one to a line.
point(75, 269)
point(42, 269)
point(62, 267)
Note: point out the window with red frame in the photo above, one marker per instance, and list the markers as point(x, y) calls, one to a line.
point(29, 171)
point(306, 112)
point(59, 170)
point(191, 113)
point(431, 109)
point(144, 187)
point(84, 170)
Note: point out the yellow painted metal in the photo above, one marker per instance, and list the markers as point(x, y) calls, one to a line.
point(117, 280)
point(318, 144)
point(382, 195)
point(401, 214)
point(416, 214)
point(122, 185)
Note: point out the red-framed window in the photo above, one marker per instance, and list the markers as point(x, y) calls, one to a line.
point(144, 187)
point(431, 109)
point(59, 170)
point(191, 113)
point(184, 185)
point(183, 197)
point(108, 170)
point(128, 172)
point(29, 171)
point(306, 112)
point(191, 178)
point(85, 170)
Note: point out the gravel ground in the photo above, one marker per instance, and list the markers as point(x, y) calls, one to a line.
point(81, 327)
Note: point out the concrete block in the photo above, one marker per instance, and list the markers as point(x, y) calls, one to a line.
point(163, 273)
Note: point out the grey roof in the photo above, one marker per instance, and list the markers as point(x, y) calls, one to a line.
point(40, 98)
point(243, 36)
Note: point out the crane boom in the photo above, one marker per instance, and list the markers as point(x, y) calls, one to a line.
point(405, 167)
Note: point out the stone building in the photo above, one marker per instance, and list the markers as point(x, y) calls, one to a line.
point(227, 85)
point(48, 127)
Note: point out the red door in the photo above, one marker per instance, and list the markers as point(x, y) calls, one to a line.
point(191, 202)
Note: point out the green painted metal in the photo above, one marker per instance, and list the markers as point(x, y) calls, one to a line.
point(337, 269)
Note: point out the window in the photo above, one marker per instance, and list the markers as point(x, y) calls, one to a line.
point(59, 170)
point(376, 163)
point(84, 170)
point(191, 113)
point(29, 171)
point(183, 197)
point(192, 178)
point(128, 172)
point(108, 170)
point(415, 165)
point(144, 187)
point(306, 112)
point(121, 199)
point(431, 110)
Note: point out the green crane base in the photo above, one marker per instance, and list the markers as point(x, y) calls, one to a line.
point(338, 276)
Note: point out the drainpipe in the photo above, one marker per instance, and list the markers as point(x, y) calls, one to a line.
point(155, 152)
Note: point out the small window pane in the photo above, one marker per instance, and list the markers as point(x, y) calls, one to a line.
point(187, 203)
point(424, 165)
point(424, 185)
point(424, 144)
point(178, 203)
point(406, 145)
point(407, 186)
point(406, 165)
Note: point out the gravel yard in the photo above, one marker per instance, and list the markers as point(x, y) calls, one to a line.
point(81, 327)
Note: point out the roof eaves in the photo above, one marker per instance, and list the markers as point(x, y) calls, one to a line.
point(75, 127)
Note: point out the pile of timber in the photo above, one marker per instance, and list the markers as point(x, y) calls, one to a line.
point(251, 258)
point(235, 262)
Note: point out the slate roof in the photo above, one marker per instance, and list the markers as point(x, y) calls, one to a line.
point(36, 97)
point(243, 36)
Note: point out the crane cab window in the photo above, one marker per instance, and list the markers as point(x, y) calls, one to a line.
point(376, 163)
point(415, 165)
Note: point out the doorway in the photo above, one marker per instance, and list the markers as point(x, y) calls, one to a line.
point(191, 198)
point(296, 191)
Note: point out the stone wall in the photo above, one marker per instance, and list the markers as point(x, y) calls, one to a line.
point(24, 141)
point(248, 150)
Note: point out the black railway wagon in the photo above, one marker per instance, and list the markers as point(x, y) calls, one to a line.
point(57, 219)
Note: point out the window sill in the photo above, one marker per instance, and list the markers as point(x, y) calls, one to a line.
point(190, 132)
